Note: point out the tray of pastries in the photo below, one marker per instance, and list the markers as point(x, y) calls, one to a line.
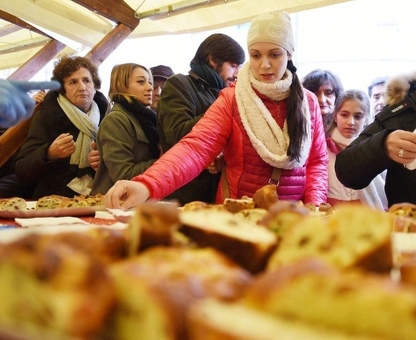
point(51, 206)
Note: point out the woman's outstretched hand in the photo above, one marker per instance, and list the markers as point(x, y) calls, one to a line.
point(126, 194)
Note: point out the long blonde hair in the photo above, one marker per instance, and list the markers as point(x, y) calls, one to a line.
point(119, 81)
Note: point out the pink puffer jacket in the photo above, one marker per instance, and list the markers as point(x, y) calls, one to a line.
point(220, 130)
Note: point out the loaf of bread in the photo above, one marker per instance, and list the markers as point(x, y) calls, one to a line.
point(156, 288)
point(152, 224)
point(266, 196)
point(404, 217)
point(88, 200)
point(282, 215)
point(254, 215)
point(354, 236)
point(106, 244)
point(78, 201)
point(211, 319)
point(51, 290)
point(357, 302)
point(403, 209)
point(12, 204)
point(53, 202)
point(247, 243)
point(235, 205)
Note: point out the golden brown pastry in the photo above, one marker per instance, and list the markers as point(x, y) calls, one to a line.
point(354, 236)
point(13, 204)
point(235, 205)
point(156, 288)
point(403, 209)
point(356, 302)
point(53, 202)
point(266, 196)
point(282, 216)
point(52, 290)
point(247, 243)
point(152, 224)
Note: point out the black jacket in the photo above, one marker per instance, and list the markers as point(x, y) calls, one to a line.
point(365, 158)
point(184, 100)
point(32, 165)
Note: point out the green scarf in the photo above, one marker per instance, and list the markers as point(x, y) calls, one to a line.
point(208, 74)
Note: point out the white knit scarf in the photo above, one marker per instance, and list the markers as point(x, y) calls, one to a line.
point(339, 139)
point(87, 124)
point(266, 136)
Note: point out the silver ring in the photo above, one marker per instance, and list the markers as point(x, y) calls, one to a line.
point(401, 153)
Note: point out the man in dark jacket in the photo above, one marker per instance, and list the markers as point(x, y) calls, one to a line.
point(388, 143)
point(55, 156)
point(185, 99)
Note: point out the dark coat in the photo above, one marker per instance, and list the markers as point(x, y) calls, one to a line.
point(32, 164)
point(365, 158)
point(184, 100)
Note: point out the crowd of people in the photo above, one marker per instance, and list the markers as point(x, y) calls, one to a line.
point(225, 129)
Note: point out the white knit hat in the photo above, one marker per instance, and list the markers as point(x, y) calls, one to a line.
point(274, 27)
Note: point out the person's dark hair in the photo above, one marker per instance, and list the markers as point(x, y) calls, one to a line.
point(316, 78)
point(67, 65)
point(351, 94)
point(296, 122)
point(375, 82)
point(221, 48)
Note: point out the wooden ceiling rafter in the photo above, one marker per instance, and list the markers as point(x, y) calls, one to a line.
point(117, 11)
point(23, 24)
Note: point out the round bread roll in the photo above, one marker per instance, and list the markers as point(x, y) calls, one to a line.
point(403, 209)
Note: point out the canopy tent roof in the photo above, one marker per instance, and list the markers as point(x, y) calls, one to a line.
point(43, 29)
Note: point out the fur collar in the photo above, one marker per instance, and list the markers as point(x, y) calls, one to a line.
point(397, 88)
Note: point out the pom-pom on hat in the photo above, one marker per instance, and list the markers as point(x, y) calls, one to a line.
point(274, 27)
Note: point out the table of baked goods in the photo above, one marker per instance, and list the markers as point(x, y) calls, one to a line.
point(245, 269)
point(15, 224)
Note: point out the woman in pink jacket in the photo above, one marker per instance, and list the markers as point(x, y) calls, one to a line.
point(268, 128)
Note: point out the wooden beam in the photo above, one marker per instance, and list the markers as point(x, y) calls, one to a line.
point(23, 45)
point(9, 29)
point(109, 43)
point(38, 61)
point(12, 139)
point(116, 10)
point(18, 22)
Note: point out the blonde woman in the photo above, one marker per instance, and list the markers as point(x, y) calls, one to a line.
point(127, 140)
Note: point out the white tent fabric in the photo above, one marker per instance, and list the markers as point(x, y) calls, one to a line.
point(206, 14)
point(80, 28)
